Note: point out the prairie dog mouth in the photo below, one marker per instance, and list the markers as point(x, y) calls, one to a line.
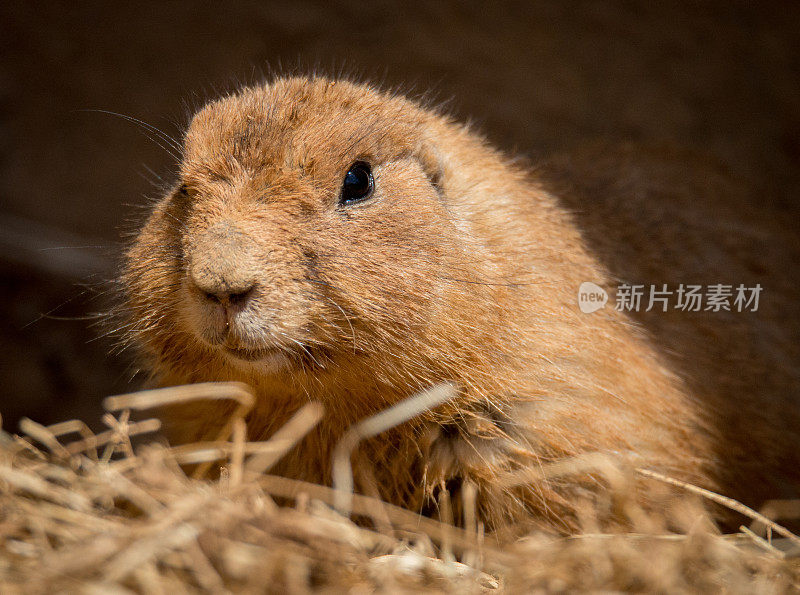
point(253, 355)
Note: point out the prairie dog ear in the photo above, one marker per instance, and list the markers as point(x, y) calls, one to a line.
point(432, 162)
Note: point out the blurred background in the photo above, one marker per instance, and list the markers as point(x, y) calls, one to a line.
point(721, 77)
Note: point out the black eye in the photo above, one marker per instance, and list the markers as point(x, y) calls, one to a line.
point(184, 189)
point(358, 183)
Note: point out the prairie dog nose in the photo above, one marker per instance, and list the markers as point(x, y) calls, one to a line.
point(222, 265)
point(232, 295)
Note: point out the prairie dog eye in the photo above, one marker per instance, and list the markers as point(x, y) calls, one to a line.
point(358, 183)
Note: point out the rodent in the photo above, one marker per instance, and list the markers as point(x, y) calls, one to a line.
point(328, 241)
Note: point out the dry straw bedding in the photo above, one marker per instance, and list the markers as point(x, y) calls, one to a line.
point(85, 512)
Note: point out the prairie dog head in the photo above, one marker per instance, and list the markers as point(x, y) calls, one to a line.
point(308, 226)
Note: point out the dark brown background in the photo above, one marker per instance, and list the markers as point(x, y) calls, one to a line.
point(721, 77)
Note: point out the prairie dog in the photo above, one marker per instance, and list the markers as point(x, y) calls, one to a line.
point(327, 241)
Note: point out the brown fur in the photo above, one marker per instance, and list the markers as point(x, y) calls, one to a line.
point(465, 267)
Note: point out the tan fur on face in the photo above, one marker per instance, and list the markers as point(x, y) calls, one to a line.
point(460, 267)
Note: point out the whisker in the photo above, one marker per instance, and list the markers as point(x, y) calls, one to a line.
point(161, 134)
